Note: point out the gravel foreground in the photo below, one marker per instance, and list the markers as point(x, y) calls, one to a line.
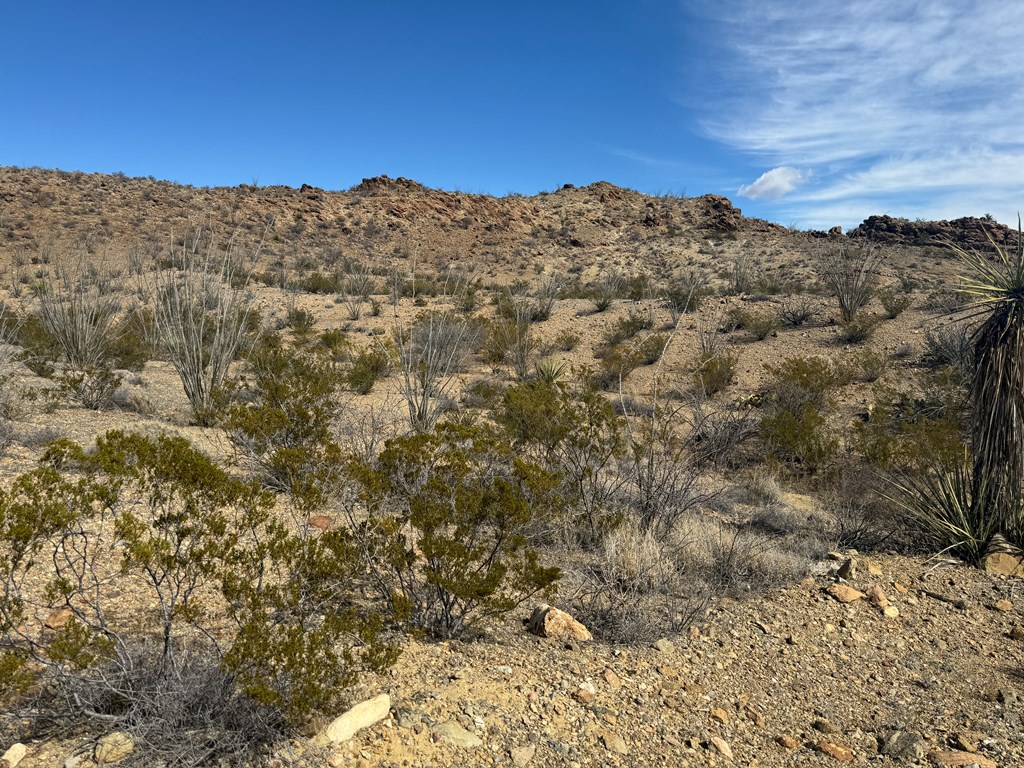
point(923, 666)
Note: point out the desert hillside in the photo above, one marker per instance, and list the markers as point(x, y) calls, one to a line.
point(269, 453)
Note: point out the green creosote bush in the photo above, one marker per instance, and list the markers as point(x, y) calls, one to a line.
point(567, 340)
point(794, 430)
point(615, 366)
point(203, 548)
point(370, 365)
point(300, 321)
point(904, 434)
point(894, 303)
point(280, 420)
point(686, 294)
point(626, 328)
point(761, 325)
point(858, 330)
point(576, 433)
point(447, 512)
point(714, 372)
point(866, 365)
point(801, 437)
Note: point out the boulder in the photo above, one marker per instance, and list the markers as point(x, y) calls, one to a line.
point(547, 621)
point(844, 594)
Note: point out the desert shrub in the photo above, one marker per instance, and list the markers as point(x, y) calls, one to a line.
point(280, 421)
point(567, 340)
point(430, 353)
point(446, 515)
point(615, 366)
point(797, 381)
point(78, 333)
point(949, 346)
point(40, 349)
point(577, 435)
point(202, 313)
point(650, 349)
point(369, 365)
point(663, 480)
point(626, 328)
point(849, 274)
point(485, 392)
point(947, 300)
point(909, 433)
point(858, 330)
point(714, 372)
point(867, 365)
point(321, 283)
point(797, 310)
point(634, 591)
point(334, 343)
point(207, 552)
point(799, 437)
point(686, 293)
point(717, 432)
point(300, 321)
point(894, 303)
point(743, 273)
point(761, 325)
point(794, 430)
point(606, 291)
point(859, 515)
point(737, 559)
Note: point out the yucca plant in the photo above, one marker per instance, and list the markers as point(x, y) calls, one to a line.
point(940, 503)
point(995, 289)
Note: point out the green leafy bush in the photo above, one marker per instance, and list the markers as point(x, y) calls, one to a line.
point(370, 365)
point(858, 330)
point(894, 303)
point(714, 372)
point(207, 552)
point(799, 437)
point(577, 435)
point(447, 513)
point(280, 421)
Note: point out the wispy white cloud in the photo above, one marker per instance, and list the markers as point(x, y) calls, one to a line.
point(910, 106)
point(774, 184)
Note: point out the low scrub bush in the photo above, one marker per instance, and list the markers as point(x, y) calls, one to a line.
point(858, 330)
point(280, 421)
point(949, 346)
point(894, 303)
point(368, 366)
point(626, 328)
point(686, 293)
point(207, 552)
point(714, 372)
point(446, 517)
point(797, 310)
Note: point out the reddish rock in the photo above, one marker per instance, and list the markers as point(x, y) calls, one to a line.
point(844, 594)
point(836, 750)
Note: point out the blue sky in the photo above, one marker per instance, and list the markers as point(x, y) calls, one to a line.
point(807, 113)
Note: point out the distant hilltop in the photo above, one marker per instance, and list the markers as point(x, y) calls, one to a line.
point(382, 215)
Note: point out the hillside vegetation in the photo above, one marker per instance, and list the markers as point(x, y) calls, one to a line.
point(269, 452)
